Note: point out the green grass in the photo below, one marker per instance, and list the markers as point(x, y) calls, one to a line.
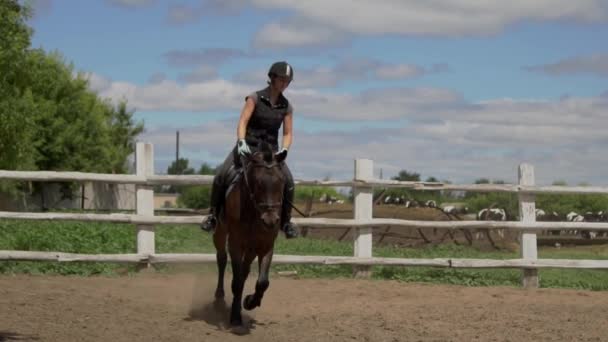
point(94, 238)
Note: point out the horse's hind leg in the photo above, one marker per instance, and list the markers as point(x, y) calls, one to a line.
point(254, 300)
point(219, 240)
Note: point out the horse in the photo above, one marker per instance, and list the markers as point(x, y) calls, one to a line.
point(248, 227)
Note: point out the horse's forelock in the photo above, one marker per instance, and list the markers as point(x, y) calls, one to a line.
point(266, 149)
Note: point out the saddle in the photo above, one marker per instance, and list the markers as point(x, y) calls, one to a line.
point(233, 176)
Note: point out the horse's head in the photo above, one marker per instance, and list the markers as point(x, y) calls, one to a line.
point(265, 181)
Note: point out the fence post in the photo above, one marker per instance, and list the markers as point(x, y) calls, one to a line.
point(527, 214)
point(363, 197)
point(144, 154)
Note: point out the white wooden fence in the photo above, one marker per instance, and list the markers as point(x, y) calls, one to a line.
point(363, 221)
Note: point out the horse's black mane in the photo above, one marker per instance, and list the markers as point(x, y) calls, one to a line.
point(266, 149)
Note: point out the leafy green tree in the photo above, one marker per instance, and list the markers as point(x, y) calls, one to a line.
point(206, 169)
point(49, 118)
point(15, 38)
point(197, 197)
point(405, 175)
point(17, 130)
point(123, 134)
point(180, 167)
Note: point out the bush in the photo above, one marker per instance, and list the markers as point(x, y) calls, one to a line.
point(195, 197)
point(304, 192)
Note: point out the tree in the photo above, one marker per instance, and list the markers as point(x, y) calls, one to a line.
point(180, 167)
point(15, 38)
point(206, 169)
point(432, 179)
point(49, 117)
point(197, 197)
point(76, 130)
point(405, 175)
point(123, 132)
point(17, 150)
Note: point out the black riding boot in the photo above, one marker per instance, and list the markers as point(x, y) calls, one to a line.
point(289, 228)
point(217, 192)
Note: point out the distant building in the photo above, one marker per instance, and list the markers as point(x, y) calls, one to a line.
point(162, 200)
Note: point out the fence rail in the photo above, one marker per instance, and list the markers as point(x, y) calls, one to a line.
point(54, 176)
point(363, 221)
point(317, 222)
point(307, 259)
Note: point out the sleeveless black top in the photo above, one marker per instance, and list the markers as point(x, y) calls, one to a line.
point(266, 119)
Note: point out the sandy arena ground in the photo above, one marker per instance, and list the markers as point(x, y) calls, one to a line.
point(179, 307)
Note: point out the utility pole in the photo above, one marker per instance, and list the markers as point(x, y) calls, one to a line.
point(176, 148)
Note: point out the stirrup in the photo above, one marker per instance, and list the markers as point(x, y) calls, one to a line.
point(209, 223)
point(290, 230)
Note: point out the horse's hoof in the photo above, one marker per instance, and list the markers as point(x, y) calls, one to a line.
point(236, 322)
point(239, 330)
point(250, 303)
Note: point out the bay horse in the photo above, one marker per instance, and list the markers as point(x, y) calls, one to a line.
point(249, 226)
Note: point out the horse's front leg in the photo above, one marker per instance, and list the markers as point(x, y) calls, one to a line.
point(254, 300)
point(241, 265)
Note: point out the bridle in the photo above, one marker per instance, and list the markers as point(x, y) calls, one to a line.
point(263, 206)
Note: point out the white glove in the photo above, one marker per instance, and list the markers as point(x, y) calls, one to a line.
point(243, 148)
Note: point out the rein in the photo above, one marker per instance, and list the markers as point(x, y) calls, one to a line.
point(259, 207)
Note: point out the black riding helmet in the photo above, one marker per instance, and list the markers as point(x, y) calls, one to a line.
point(281, 69)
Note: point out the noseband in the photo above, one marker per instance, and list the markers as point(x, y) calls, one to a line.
point(263, 206)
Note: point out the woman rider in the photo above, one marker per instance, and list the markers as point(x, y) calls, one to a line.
point(261, 118)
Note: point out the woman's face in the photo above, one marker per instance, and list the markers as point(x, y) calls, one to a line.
point(280, 83)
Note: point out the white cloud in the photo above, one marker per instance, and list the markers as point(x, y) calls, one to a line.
point(183, 14)
point(320, 22)
point(201, 74)
point(97, 82)
point(214, 94)
point(432, 131)
point(180, 14)
point(453, 150)
point(207, 56)
point(157, 77)
point(596, 64)
point(293, 35)
point(349, 69)
point(399, 71)
point(376, 104)
point(132, 3)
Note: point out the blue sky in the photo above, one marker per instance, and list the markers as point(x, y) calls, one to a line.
point(454, 89)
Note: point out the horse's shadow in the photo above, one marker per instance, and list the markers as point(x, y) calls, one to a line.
point(6, 336)
point(217, 313)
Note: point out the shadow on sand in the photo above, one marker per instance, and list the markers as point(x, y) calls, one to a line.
point(217, 313)
point(7, 336)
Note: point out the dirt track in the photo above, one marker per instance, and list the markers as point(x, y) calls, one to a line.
point(161, 307)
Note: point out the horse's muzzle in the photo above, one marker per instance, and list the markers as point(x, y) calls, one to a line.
point(271, 219)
